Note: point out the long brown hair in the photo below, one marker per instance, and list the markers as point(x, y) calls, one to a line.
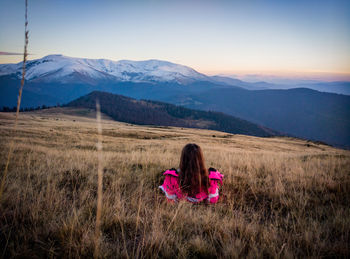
point(193, 175)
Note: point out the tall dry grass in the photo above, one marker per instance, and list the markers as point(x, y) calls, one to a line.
point(281, 197)
point(99, 180)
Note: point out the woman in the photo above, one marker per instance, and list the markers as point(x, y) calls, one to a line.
point(192, 181)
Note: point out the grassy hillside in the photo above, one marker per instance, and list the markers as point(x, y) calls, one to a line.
point(281, 197)
point(142, 112)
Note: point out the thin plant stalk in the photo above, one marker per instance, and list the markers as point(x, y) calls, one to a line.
point(99, 181)
point(25, 54)
point(137, 218)
point(124, 240)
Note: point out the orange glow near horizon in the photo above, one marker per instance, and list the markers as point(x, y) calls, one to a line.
point(312, 75)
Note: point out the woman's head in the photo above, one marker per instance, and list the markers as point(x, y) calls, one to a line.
point(193, 173)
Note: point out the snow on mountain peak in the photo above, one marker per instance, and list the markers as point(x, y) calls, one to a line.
point(61, 68)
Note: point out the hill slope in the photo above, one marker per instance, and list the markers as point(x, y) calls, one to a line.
point(300, 112)
point(129, 110)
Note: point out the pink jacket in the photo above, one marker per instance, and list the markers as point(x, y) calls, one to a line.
point(172, 191)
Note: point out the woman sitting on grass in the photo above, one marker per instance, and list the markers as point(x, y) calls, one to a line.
point(192, 181)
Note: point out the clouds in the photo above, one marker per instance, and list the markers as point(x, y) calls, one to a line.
point(4, 53)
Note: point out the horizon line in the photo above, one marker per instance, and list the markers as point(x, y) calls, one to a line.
point(287, 73)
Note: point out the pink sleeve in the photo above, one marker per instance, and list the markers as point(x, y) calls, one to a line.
point(170, 188)
point(215, 177)
point(213, 191)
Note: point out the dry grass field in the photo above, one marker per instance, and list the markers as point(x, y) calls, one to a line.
point(281, 198)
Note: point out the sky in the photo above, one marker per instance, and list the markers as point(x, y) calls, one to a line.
point(286, 38)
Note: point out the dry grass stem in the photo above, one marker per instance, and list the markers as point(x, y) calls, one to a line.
point(25, 53)
point(100, 179)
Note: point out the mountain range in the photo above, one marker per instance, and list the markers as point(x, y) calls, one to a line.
point(299, 112)
point(63, 69)
point(59, 68)
point(59, 79)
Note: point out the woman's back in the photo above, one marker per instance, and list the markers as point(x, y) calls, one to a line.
point(192, 181)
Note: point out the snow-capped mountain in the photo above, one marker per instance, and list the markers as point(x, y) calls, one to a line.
point(59, 68)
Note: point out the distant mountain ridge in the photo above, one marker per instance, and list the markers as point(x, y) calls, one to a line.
point(53, 68)
point(143, 112)
point(68, 70)
point(59, 79)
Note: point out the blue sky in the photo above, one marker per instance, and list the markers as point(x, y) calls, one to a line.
point(275, 37)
